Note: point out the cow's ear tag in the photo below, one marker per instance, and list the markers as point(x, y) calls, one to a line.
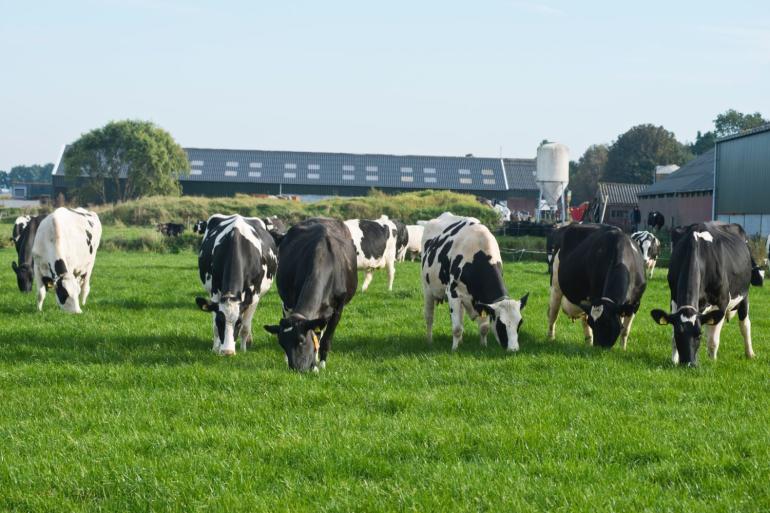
point(483, 314)
point(315, 341)
point(317, 331)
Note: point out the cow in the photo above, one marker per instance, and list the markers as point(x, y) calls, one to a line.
point(650, 247)
point(375, 243)
point(402, 240)
point(236, 263)
point(317, 277)
point(656, 220)
point(200, 227)
point(461, 264)
point(171, 229)
point(63, 254)
point(554, 239)
point(24, 231)
point(414, 241)
point(598, 276)
point(709, 275)
point(276, 227)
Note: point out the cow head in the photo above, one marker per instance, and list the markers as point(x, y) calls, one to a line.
point(67, 289)
point(228, 316)
point(299, 338)
point(687, 323)
point(23, 276)
point(506, 320)
point(603, 318)
point(200, 227)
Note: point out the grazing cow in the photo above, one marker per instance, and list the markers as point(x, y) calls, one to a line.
point(656, 220)
point(200, 227)
point(461, 264)
point(414, 240)
point(650, 246)
point(276, 227)
point(317, 277)
point(171, 229)
point(555, 239)
point(24, 231)
point(402, 240)
point(708, 276)
point(375, 243)
point(63, 254)
point(237, 263)
point(598, 276)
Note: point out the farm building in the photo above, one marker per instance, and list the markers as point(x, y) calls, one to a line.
point(30, 190)
point(614, 203)
point(684, 196)
point(216, 172)
point(742, 180)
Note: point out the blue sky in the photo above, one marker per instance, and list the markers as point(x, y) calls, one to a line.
point(404, 77)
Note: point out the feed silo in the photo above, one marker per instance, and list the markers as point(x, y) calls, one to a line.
point(552, 176)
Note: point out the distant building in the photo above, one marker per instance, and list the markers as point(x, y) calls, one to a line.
point(685, 196)
point(216, 172)
point(663, 172)
point(742, 180)
point(613, 204)
point(31, 190)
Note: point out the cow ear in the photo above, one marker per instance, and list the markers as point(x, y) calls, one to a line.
point(274, 328)
point(316, 325)
point(486, 308)
point(626, 310)
point(48, 282)
point(523, 301)
point(712, 317)
point(586, 307)
point(205, 305)
point(660, 317)
point(15, 267)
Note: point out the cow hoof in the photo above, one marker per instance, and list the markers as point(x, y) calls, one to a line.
point(589, 341)
point(227, 352)
point(750, 356)
point(322, 364)
point(315, 369)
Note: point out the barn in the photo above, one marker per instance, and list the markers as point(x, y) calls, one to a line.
point(684, 196)
point(742, 180)
point(613, 204)
point(219, 172)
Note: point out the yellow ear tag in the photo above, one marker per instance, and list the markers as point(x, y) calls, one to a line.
point(315, 341)
point(483, 314)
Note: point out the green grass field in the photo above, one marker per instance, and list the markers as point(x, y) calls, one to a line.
point(124, 408)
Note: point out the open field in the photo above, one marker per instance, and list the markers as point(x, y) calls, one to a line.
point(124, 408)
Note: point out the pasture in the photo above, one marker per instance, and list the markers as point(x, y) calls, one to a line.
point(125, 408)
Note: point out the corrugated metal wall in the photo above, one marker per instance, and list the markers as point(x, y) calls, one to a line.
point(743, 175)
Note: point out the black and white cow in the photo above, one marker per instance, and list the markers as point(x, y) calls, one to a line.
point(237, 263)
point(650, 246)
point(554, 240)
point(200, 227)
point(276, 227)
point(375, 243)
point(414, 240)
point(598, 276)
point(656, 220)
point(171, 229)
point(402, 240)
point(317, 277)
point(24, 231)
point(461, 264)
point(63, 254)
point(708, 276)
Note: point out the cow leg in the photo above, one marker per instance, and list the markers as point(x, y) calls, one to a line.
point(587, 331)
point(483, 321)
point(430, 307)
point(217, 342)
point(326, 338)
point(456, 314)
point(85, 288)
point(745, 324)
point(713, 338)
point(245, 332)
point(674, 352)
point(652, 268)
point(391, 274)
point(626, 329)
point(553, 312)
point(41, 290)
point(367, 280)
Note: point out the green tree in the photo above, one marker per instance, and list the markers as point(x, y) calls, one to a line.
point(586, 173)
point(703, 142)
point(125, 160)
point(732, 122)
point(633, 157)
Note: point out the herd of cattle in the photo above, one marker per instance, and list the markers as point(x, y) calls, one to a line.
point(598, 275)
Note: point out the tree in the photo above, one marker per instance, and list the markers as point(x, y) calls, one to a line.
point(732, 122)
point(125, 160)
point(586, 173)
point(633, 157)
point(703, 143)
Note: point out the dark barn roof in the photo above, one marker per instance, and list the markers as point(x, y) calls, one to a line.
point(369, 170)
point(620, 193)
point(695, 176)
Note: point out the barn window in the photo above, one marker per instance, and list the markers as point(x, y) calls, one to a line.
point(429, 170)
point(255, 165)
point(348, 177)
point(371, 178)
point(290, 175)
point(489, 181)
point(348, 168)
point(231, 163)
point(406, 169)
point(407, 179)
point(371, 169)
point(231, 173)
point(464, 171)
point(290, 165)
point(313, 167)
point(196, 172)
point(196, 163)
point(430, 179)
point(313, 176)
point(466, 181)
point(487, 172)
point(255, 174)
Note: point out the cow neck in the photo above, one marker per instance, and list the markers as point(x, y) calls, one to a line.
point(617, 283)
point(688, 289)
point(27, 241)
point(315, 288)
